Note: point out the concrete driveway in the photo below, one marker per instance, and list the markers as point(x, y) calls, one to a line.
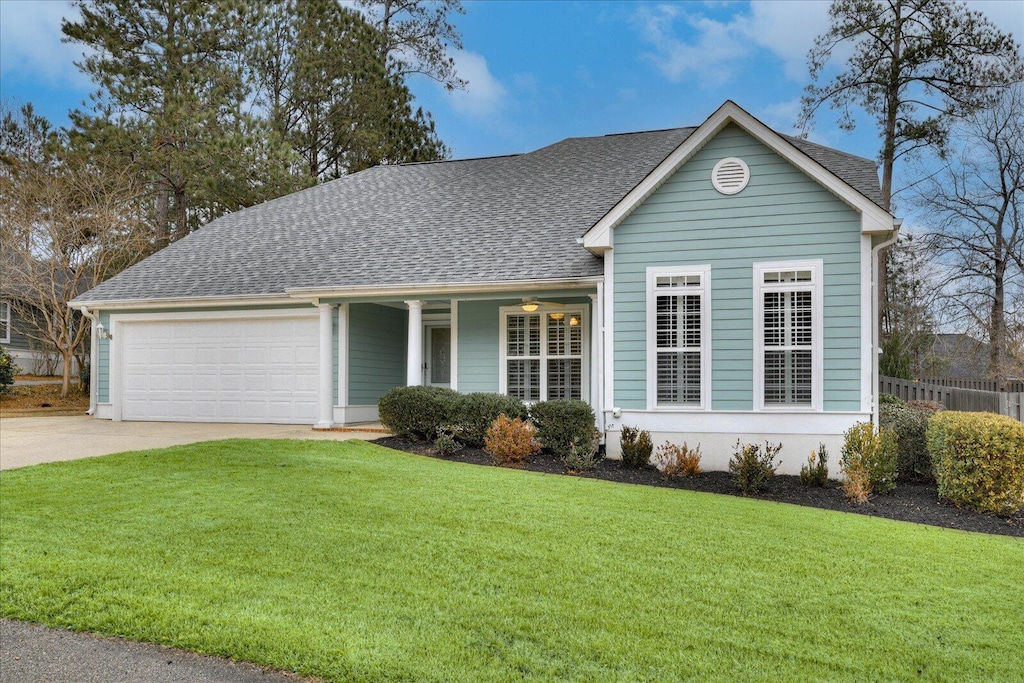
point(33, 440)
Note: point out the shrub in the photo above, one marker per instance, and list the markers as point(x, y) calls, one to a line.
point(7, 370)
point(583, 457)
point(815, 472)
point(562, 425)
point(890, 400)
point(751, 467)
point(445, 444)
point(909, 422)
point(869, 461)
point(636, 447)
point(475, 413)
point(417, 412)
point(677, 461)
point(979, 460)
point(511, 441)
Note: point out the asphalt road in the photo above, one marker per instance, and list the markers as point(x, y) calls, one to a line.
point(30, 653)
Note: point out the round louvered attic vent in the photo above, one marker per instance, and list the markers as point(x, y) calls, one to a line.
point(730, 175)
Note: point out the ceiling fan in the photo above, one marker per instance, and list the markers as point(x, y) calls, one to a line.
point(531, 304)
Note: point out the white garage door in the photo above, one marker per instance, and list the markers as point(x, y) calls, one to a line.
point(239, 370)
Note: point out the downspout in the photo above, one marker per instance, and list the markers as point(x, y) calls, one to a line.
point(875, 307)
point(94, 352)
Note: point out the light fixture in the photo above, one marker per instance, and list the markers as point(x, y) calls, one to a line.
point(573, 320)
point(530, 306)
point(557, 316)
point(102, 333)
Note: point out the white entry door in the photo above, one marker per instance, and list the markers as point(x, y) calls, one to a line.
point(220, 370)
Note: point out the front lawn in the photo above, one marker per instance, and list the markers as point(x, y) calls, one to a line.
point(354, 562)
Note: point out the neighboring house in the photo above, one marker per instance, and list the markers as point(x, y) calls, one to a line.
point(708, 284)
point(28, 354)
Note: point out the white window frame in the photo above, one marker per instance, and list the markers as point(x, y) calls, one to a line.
point(704, 290)
point(815, 286)
point(543, 310)
point(5, 308)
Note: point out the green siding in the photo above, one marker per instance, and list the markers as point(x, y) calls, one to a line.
point(781, 215)
point(377, 351)
point(102, 372)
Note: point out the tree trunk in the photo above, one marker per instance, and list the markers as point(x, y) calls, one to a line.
point(68, 356)
point(163, 217)
point(181, 216)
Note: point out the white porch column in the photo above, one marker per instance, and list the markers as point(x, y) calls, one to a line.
point(596, 361)
point(414, 367)
point(326, 402)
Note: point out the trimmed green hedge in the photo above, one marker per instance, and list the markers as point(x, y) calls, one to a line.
point(909, 421)
point(979, 460)
point(475, 413)
point(563, 426)
point(417, 412)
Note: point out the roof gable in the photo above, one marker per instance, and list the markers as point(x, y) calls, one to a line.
point(807, 157)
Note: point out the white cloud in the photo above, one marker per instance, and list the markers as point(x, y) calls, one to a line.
point(484, 95)
point(30, 44)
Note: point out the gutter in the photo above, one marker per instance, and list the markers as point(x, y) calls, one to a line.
point(875, 308)
point(94, 353)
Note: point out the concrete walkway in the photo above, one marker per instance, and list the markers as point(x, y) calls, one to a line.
point(34, 440)
point(33, 653)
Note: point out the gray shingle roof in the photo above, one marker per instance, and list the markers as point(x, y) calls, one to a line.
point(478, 220)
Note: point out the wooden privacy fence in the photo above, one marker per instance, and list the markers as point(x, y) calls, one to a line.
point(1011, 385)
point(955, 398)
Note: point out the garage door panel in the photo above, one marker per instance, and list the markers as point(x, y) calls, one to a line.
point(239, 370)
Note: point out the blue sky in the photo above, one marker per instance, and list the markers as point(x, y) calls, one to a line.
point(542, 71)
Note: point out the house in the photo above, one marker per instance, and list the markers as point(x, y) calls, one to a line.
point(29, 354)
point(708, 284)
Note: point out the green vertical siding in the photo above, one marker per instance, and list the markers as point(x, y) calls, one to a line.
point(102, 371)
point(781, 215)
point(377, 351)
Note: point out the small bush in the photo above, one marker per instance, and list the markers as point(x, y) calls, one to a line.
point(979, 460)
point(636, 447)
point(583, 457)
point(417, 412)
point(511, 441)
point(909, 422)
point(445, 443)
point(890, 400)
point(476, 412)
point(7, 371)
point(815, 472)
point(677, 461)
point(869, 461)
point(563, 425)
point(752, 467)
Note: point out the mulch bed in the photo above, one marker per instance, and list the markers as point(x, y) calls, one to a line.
point(42, 399)
point(909, 502)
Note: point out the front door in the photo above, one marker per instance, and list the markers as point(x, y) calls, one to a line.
point(438, 355)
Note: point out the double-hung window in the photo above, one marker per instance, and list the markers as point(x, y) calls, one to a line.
point(788, 335)
point(543, 354)
point(5, 322)
point(678, 337)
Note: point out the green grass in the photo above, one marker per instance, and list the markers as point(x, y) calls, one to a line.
point(354, 562)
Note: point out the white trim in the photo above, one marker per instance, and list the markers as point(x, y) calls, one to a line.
point(343, 343)
point(868, 386)
point(254, 300)
point(347, 415)
point(414, 345)
point(424, 290)
point(94, 321)
point(455, 344)
point(119, 320)
point(595, 354)
point(816, 286)
point(325, 342)
point(735, 421)
point(6, 304)
point(876, 348)
point(505, 311)
point(874, 219)
point(608, 324)
point(704, 290)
